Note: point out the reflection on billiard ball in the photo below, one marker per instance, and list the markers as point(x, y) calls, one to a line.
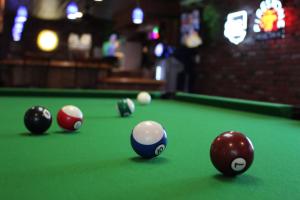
point(125, 107)
point(37, 119)
point(232, 153)
point(148, 139)
point(70, 118)
point(144, 98)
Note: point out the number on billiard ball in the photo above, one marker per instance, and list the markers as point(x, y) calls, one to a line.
point(125, 107)
point(70, 118)
point(148, 139)
point(37, 119)
point(232, 153)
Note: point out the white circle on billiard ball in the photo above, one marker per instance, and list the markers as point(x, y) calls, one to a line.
point(130, 105)
point(144, 98)
point(77, 125)
point(46, 114)
point(238, 164)
point(159, 149)
point(72, 111)
point(148, 132)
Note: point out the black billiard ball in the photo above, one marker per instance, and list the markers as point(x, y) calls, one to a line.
point(37, 119)
point(232, 153)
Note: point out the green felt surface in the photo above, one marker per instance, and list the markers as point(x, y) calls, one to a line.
point(276, 109)
point(98, 163)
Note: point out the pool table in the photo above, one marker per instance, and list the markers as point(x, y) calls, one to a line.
point(97, 162)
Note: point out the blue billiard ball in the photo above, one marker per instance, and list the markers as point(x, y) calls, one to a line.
point(148, 139)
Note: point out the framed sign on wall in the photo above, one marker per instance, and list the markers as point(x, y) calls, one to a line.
point(235, 28)
point(270, 20)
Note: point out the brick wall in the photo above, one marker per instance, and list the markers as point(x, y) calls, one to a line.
point(259, 70)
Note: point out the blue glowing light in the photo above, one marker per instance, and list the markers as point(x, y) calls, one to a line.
point(20, 19)
point(72, 8)
point(137, 16)
point(72, 11)
point(22, 12)
point(159, 50)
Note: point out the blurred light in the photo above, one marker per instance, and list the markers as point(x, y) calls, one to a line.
point(47, 40)
point(236, 26)
point(19, 26)
point(98, 0)
point(137, 16)
point(20, 20)
point(22, 11)
point(79, 15)
point(256, 28)
point(154, 34)
point(72, 11)
point(72, 16)
point(269, 17)
point(158, 73)
point(72, 8)
point(75, 15)
point(159, 49)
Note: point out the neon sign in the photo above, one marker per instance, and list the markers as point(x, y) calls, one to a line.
point(236, 26)
point(270, 20)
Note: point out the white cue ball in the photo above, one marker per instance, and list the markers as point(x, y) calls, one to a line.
point(144, 98)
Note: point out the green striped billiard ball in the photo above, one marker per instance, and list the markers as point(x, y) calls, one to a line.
point(125, 107)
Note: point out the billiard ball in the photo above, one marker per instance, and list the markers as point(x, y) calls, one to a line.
point(37, 119)
point(70, 118)
point(232, 153)
point(144, 98)
point(125, 107)
point(148, 139)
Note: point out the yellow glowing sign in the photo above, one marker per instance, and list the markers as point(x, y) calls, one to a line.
point(47, 40)
point(268, 21)
point(269, 16)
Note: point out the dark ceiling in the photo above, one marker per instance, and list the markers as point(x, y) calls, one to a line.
point(55, 9)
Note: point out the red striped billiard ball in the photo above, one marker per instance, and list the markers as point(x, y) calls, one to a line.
point(70, 118)
point(232, 153)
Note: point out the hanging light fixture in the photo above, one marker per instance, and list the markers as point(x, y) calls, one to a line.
point(72, 11)
point(47, 40)
point(137, 15)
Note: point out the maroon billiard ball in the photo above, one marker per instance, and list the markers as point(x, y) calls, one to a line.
point(70, 118)
point(232, 153)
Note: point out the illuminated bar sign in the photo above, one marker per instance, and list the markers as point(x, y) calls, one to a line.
point(270, 20)
point(236, 26)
